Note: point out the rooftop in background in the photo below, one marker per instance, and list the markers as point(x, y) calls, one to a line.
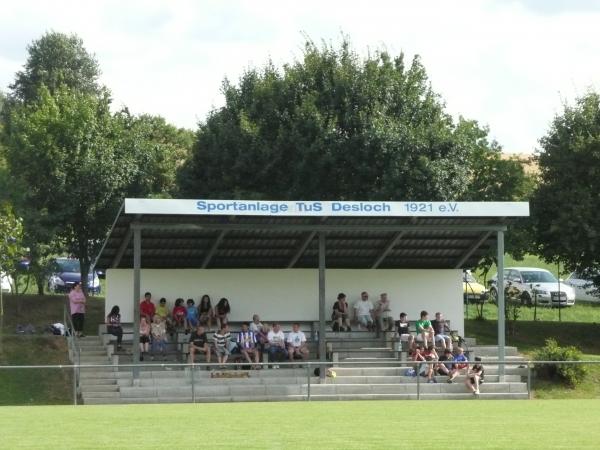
point(283, 234)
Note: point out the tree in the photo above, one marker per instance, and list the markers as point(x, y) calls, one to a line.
point(57, 60)
point(71, 160)
point(11, 233)
point(331, 126)
point(159, 149)
point(566, 205)
point(64, 148)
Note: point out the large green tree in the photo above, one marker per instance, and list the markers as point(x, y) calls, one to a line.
point(566, 205)
point(336, 126)
point(71, 160)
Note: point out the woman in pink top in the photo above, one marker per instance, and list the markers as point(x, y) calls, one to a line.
point(77, 303)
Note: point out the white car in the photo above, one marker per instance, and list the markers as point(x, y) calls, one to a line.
point(584, 288)
point(6, 282)
point(530, 280)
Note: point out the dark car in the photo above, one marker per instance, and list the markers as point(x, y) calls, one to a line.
point(66, 272)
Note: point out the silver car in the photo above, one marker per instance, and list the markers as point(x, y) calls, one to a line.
point(529, 281)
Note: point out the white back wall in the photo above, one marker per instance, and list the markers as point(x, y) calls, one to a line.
point(289, 294)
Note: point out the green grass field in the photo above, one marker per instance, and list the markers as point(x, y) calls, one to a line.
point(345, 425)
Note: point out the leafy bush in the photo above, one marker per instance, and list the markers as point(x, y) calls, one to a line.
point(569, 374)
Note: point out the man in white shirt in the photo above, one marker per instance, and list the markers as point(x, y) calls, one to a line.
point(276, 338)
point(296, 343)
point(363, 310)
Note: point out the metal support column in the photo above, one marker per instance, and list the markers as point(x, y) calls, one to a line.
point(501, 305)
point(322, 332)
point(137, 262)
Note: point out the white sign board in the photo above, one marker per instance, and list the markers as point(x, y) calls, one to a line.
point(326, 208)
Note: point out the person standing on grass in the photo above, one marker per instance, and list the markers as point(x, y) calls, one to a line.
point(144, 337)
point(77, 304)
point(221, 340)
point(113, 325)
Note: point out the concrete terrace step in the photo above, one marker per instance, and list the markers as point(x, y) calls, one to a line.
point(98, 381)
point(489, 350)
point(93, 388)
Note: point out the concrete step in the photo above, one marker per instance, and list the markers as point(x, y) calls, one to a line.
point(112, 394)
point(492, 350)
point(93, 388)
point(98, 381)
point(366, 353)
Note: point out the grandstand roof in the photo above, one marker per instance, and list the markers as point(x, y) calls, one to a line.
point(282, 234)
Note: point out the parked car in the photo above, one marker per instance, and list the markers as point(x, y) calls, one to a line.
point(584, 288)
point(66, 272)
point(5, 282)
point(529, 280)
point(473, 291)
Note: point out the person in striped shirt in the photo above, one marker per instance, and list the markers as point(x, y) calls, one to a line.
point(247, 344)
point(221, 341)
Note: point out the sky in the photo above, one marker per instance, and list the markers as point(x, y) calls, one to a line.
point(511, 65)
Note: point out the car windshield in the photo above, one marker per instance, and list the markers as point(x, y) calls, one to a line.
point(468, 278)
point(68, 265)
point(538, 277)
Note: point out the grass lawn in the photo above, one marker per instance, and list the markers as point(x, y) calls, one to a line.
point(345, 425)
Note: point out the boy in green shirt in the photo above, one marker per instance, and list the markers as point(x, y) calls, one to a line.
point(425, 330)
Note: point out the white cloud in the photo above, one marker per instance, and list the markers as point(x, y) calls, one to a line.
point(507, 64)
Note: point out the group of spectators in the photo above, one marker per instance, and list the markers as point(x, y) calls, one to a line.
point(251, 342)
point(254, 338)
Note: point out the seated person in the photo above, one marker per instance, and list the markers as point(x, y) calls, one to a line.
point(363, 311)
point(341, 314)
point(383, 313)
point(402, 328)
point(199, 343)
point(296, 343)
point(262, 336)
point(191, 316)
point(221, 341)
point(256, 325)
point(144, 337)
point(431, 355)
point(179, 313)
point(461, 363)
point(248, 345)
point(147, 308)
point(222, 311)
point(159, 336)
point(442, 331)
point(446, 364)
point(113, 325)
point(417, 357)
point(163, 312)
point(276, 339)
point(424, 329)
point(205, 311)
point(475, 376)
